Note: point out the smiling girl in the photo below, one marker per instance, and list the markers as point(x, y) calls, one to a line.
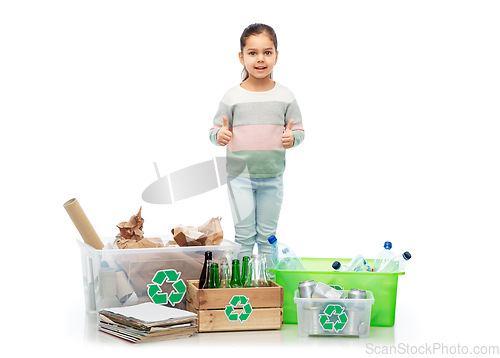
point(257, 121)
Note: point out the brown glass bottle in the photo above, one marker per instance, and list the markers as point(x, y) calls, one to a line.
point(205, 269)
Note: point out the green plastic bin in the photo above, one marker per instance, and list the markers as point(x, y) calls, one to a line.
point(384, 287)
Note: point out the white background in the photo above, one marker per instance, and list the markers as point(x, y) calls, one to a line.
point(400, 102)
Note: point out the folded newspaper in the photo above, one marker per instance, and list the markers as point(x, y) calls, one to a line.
point(147, 322)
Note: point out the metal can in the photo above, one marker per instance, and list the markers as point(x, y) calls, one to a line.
point(324, 291)
point(306, 288)
point(356, 293)
point(356, 325)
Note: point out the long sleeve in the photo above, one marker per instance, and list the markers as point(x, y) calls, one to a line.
point(223, 110)
point(293, 112)
point(257, 121)
point(213, 135)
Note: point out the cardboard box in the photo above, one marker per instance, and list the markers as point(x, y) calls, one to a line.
point(236, 309)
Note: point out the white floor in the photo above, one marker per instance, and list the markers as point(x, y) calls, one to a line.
point(458, 319)
point(285, 339)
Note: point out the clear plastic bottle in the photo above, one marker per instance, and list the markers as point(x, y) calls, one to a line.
point(357, 264)
point(383, 256)
point(337, 266)
point(396, 264)
point(283, 257)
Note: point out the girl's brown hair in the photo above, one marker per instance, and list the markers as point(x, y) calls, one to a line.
point(256, 29)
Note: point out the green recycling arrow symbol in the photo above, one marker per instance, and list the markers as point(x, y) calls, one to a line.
point(235, 301)
point(169, 276)
point(327, 323)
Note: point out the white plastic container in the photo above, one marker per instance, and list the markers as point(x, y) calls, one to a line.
point(334, 317)
point(124, 277)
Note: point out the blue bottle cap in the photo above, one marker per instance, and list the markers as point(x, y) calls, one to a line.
point(336, 265)
point(272, 239)
point(406, 255)
point(388, 245)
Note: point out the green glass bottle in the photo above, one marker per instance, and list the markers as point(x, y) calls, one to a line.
point(213, 279)
point(235, 278)
point(245, 271)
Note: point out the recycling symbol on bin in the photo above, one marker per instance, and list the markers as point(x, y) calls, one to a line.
point(169, 276)
point(325, 318)
point(233, 303)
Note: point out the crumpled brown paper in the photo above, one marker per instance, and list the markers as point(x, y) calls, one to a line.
point(208, 234)
point(131, 235)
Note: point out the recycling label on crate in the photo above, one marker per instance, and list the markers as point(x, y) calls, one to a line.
point(167, 276)
point(333, 318)
point(236, 301)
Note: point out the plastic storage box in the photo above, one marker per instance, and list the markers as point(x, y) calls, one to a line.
point(383, 286)
point(125, 277)
point(334, 317)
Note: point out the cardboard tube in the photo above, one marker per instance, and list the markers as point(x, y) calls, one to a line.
point(83, 224)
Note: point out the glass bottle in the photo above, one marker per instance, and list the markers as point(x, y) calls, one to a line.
point(248, 276)
point(244, 270)
point(213, 278)
point(227, 256)
point(224, 275)
point(205, 269)
point(257, 272)
point(235, 278)
point(207, 274)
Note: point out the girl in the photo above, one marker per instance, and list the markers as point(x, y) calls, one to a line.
point(257, 120)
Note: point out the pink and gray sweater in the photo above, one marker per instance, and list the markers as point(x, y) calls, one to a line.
point(257, 120)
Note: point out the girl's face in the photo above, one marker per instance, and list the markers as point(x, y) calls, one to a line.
point(259, 56)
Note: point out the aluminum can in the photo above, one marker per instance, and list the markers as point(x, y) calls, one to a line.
point(356, 293)
point(306, 288)
point(356, 325)
point(324, 291)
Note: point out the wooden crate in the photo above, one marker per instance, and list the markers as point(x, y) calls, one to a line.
point(227, 309)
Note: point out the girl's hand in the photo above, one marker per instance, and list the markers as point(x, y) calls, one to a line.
point(287, 137)
point(224, 134)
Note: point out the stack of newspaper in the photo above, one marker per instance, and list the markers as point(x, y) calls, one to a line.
point(147, 322)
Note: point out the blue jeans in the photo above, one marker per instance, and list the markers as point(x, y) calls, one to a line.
point(255, 205)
